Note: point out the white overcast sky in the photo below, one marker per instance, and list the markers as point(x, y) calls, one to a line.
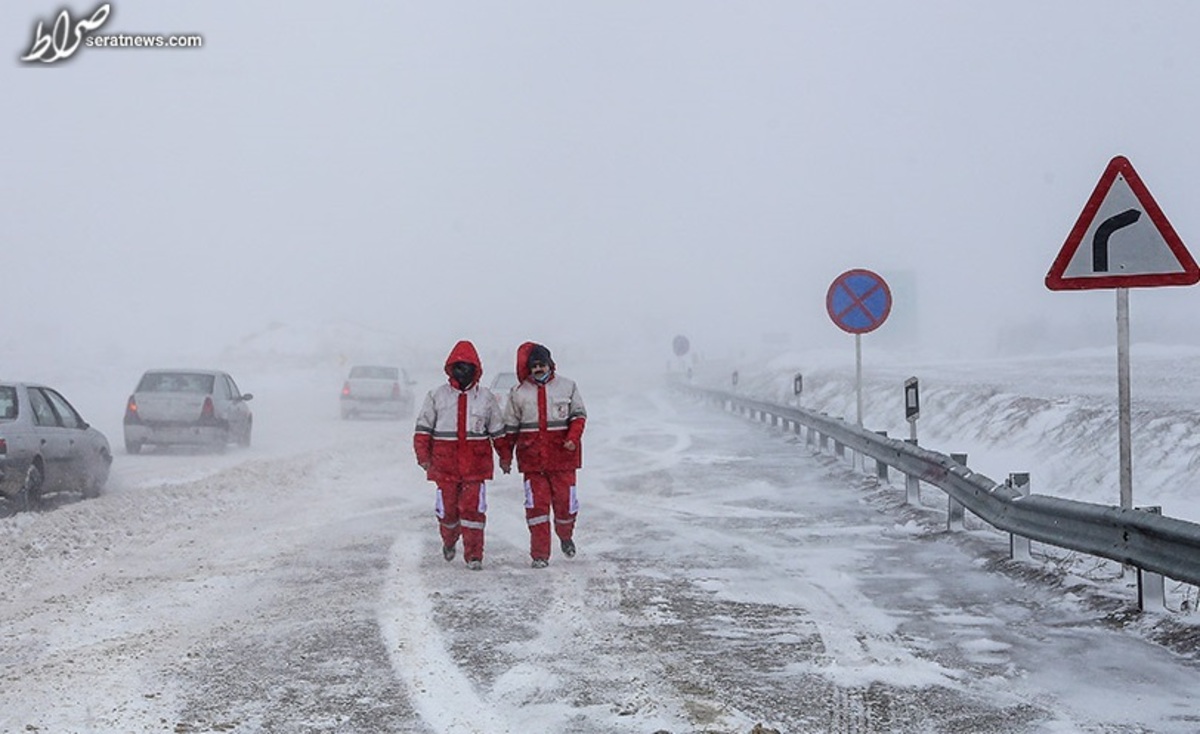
point(605, 173)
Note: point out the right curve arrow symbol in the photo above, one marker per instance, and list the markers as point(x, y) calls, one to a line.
point(1104, 231)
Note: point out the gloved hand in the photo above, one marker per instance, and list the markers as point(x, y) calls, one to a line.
point(569, 445)
point(506, 467)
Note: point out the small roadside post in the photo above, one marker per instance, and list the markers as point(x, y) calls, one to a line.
point(1151, 588)
point(912, 411)
point(1019, 548)
point(956, 514)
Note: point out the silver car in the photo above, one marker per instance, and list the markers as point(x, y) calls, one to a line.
point(46, 446)
point(377, 390)
point(187, 407)
point(502, 385)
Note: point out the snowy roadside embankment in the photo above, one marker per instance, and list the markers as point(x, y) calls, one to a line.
point(1054, 417)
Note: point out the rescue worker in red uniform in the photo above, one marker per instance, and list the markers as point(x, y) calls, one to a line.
point(544, 420)
point(458, 427)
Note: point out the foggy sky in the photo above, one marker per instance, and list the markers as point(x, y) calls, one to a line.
point(600, 173)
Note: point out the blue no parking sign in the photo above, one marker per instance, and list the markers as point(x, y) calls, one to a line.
point(858, 301)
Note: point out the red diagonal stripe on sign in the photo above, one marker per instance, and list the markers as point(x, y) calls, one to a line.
point(859, 301)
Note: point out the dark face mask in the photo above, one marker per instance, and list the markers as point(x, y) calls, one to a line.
point(463, 374)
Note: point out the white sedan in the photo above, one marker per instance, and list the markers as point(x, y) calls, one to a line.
point(187, 407)
point(46, 446)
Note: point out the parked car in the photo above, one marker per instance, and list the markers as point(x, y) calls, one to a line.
point(502, 383)
point(187, 407)
point(377, 390)
point(46, 446)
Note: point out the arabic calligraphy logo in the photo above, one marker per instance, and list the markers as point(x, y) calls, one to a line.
point(64, 38)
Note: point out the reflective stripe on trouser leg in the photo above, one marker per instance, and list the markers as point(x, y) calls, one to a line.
point(472, 504)
point(565, 503)
point(447, 512)
point(537, 514)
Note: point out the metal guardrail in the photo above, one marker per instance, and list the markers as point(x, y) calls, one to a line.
point(1149, 541)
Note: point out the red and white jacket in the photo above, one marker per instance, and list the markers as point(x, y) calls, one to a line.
point(456, 429)
point(541, 417)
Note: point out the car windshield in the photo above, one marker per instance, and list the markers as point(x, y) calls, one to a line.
point(189, 382)
point(376, 373)
point(504, 381)
point(8, 403)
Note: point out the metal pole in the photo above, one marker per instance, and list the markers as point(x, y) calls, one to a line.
point(956, 514)
point(859, 460)
point(1123, 398)
point(1019, 548)
point(912, 485)
point(858, 374)
point(1152, 591)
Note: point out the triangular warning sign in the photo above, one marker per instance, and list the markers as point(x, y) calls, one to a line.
point(1127, 240)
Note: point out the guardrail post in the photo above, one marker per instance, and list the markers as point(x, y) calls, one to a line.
point(839, 449)
point(881, 469)
point(1019, 548)
point(1152, 595)
point(955, 512)
point(912, 485)
point(824, 442)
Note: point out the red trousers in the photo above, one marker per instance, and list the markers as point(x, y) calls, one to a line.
point(547, 491)
point(462, 511)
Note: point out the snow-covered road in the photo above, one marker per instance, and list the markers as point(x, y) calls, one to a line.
point(725, 578)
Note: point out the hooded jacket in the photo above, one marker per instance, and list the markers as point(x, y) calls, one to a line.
point(456, 428)
point(540, 417)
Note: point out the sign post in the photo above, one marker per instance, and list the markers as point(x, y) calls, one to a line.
point(858, 302)
point(912, 406)
point(912, 411)
point(680, 346)
point(1130, 245)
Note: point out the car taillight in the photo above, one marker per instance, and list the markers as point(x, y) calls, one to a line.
point(206, 412)
point(395, 391)
point(346, 389)
point(131, 411)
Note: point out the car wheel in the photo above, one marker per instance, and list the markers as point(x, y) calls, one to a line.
point(94, 484)
point(244, 438)
point(133, 447)
point(92, 488)
point(31, 491)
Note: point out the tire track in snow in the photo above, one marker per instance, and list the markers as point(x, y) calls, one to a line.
point(440, 692)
